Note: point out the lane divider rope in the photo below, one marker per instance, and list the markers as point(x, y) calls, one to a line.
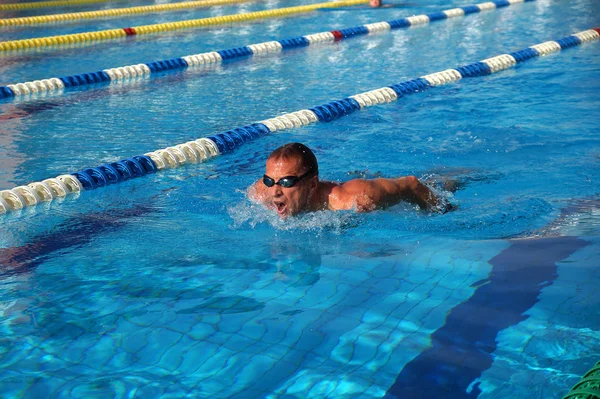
point(133, 73)
point(113, 34)
point(200, 150)
point(115, 12)
point(48, 4)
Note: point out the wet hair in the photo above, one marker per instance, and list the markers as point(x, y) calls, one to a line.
point(307, 158)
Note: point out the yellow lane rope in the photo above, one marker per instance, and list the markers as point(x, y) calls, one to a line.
point(115, 12)
point(47, 4)
point(113, 34)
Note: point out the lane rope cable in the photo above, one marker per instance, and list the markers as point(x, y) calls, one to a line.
point(114, 34)
point(114, 12)
point(134, 73)
point(202, 149)
point(48, 4)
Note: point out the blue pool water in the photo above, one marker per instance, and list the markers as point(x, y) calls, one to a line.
point(175, 285)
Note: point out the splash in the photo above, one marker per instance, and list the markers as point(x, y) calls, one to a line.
point(253, 215)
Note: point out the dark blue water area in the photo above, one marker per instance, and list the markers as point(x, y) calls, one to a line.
point(462, 349)
point(174, 284)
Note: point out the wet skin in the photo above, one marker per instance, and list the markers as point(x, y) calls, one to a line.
point(291, 200)
point(310, 194)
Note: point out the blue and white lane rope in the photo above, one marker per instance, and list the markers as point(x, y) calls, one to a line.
point(205, 148)
point(132, 73)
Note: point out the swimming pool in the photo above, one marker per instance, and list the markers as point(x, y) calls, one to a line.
point(173, 284)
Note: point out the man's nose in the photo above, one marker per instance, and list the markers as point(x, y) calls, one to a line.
point(276, 190)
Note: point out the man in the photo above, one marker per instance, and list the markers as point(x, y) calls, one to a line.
point(379, 4)
point(291, 185)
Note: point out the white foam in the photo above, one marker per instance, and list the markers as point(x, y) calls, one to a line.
point(246, 213)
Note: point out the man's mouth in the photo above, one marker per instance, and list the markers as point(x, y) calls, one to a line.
point(280, 207)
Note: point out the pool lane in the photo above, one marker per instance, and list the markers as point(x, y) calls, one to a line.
point(462, 349)
point(205, 148)
point(133, 73)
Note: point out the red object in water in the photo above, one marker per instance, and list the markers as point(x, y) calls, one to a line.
point(337, 34)
point(129, 31)
point(597, 30)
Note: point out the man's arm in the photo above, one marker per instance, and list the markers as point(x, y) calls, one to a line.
point(367, 195)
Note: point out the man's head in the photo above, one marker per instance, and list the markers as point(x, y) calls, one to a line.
point(291, 178)
point(375, 3)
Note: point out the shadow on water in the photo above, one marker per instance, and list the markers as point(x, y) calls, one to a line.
point(225, 305)
point(76, 95)
point(583, 214)
point(289, 259)
point(70, 234)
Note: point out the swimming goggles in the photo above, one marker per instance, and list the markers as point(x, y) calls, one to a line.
point(287, 182)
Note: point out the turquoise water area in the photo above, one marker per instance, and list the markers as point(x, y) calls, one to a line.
point(175, 285)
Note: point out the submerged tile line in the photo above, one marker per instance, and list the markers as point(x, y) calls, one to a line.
point(356, 344)
point(206, 148)
point(459, 352)
point(138, 72)
point(316, 323)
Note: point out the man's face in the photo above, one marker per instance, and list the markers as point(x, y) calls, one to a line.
point(375, 3)
point(291, 200)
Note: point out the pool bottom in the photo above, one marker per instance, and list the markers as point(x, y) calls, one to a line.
point(308, 321)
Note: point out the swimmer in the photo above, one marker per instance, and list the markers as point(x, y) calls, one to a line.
point(379, 4)
point(372, 5)
point(291, 186)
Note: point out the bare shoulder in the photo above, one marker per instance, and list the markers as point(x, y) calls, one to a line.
point(352, 187)
point(353, 194)
point(376, 186)
point(355, 185)
point(338, 198)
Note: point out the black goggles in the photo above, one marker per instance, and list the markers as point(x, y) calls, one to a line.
point(287, 182)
